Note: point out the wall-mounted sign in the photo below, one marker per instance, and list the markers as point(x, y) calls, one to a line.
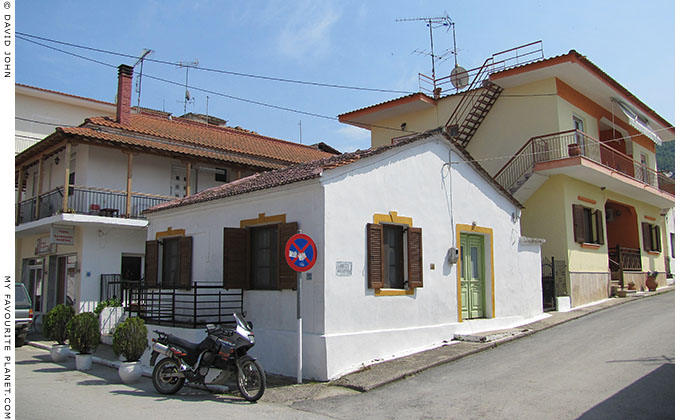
point(61, 235)
point(44, 247)
point(343, 268)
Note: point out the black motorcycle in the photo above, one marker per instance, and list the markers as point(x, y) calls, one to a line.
point(222, 353)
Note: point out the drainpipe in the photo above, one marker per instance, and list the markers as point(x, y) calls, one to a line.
point(128, 210)
point(39, 190)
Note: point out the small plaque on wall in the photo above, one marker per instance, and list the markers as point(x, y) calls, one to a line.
point(343, 268)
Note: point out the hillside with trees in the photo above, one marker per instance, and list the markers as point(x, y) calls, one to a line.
point(666, 157)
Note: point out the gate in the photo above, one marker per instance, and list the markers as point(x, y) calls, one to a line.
point(548, 284)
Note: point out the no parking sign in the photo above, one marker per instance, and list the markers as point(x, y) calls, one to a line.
point(300, 252)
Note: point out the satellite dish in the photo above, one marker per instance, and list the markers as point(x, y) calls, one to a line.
point(459, 77)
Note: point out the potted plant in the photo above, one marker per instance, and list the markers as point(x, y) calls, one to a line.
point(130, 341)
point(55, 328)
point(84, 337)
point(651, 282)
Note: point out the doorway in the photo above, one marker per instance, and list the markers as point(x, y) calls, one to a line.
point(472, 276)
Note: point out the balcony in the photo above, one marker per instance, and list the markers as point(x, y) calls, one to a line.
point(575, 154)
point(87, 200)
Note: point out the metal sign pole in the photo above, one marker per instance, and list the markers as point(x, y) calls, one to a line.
point(299, 327)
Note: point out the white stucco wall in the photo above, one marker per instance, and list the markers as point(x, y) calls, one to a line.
point(345, 324)
point(413, 182)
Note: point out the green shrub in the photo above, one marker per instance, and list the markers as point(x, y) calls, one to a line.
point(84, 333)
point(55, 326)
point(130, 339)
point(106, 303)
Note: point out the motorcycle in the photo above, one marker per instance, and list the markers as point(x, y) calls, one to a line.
point(211, 362)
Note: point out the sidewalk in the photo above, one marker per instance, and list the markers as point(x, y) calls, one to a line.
point(284, 390)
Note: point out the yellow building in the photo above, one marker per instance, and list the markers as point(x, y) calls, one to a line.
point(571, 144)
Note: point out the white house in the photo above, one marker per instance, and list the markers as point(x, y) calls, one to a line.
point(386, 222)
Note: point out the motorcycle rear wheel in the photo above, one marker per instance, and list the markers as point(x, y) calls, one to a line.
point(162, 379)
point(251, 378)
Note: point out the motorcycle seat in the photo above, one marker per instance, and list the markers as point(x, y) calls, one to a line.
point(192, 348)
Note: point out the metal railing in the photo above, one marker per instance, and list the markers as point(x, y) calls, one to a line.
point(114, 287)
point(500, 61)
point(627, 259)
point(574, 143)
point(87, 200)
point(194, 307)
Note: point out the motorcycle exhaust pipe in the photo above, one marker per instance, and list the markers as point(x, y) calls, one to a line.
point(162, 349)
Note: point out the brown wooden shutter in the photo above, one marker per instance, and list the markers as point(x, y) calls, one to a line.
point(287, 277)
point(375, 256)
point(415, 266)
point(646, 237)
point(600, 227)
point(235, 258)
point(151, 264)
point(185, 280)
point(579, 223)
point(657, 237)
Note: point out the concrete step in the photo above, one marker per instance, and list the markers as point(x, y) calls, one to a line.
point(490, 336)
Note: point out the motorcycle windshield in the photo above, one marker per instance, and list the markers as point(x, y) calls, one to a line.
point(241, 322)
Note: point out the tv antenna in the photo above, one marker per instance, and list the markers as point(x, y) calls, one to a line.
point(435, 23)
point(187, 95)
point(140, 63)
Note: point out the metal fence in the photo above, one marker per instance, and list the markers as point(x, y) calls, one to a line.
point(193, 307)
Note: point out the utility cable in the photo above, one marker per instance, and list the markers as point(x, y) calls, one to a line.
point(228, 72)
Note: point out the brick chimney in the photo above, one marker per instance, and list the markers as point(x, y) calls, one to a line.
point(124, 93)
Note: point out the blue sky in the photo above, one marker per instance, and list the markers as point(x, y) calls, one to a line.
point(334, 42)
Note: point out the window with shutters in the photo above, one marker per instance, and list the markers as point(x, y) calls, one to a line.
point(394, 257)
point(169, 262)
point(253, 257)
point(588, 225)
point(651, 237)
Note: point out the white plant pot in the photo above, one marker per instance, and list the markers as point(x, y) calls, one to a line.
point(59, 353)
point(84, 361)
point(130, 372)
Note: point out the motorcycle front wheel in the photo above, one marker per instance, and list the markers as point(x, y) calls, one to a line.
point(165, 378)
point(251, 378)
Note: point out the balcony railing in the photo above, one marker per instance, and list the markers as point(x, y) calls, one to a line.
point(87, 200)
point(574, 143)
point(503, 60)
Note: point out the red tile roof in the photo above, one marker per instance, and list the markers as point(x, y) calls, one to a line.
point(179, 136)
point(313, 170)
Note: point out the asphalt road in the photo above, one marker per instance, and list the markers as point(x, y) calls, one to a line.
point(614, 364)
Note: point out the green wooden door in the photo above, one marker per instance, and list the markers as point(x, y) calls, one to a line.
point(472, 276)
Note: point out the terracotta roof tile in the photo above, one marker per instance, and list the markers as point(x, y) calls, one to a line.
point(181, 136)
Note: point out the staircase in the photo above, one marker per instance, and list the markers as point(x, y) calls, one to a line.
point(481, 106)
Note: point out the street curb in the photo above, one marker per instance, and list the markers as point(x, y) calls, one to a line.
point(587, 311)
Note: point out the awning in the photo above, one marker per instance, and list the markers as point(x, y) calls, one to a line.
point(638, 121)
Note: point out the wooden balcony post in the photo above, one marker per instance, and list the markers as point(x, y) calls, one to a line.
point(65, 193)
point(187, 187)
point(19, 194)
point(128, 210)
point(39, 190)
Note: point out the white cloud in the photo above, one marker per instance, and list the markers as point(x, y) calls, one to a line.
point(305, 28)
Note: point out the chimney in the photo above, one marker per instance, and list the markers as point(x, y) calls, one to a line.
point(124, 93)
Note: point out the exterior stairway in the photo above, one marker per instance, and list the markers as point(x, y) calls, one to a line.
point(480, 107)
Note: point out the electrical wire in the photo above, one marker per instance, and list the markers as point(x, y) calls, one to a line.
point(212, 70)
